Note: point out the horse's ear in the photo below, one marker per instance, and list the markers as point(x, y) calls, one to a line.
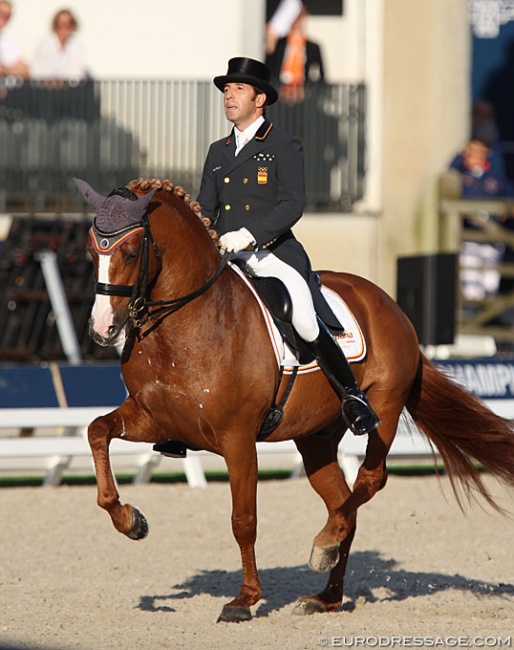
point(136, 209)
point(91, 197)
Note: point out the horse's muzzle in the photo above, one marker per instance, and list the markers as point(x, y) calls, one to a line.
point(113, 336)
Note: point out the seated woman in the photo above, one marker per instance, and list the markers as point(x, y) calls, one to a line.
point(60, 56)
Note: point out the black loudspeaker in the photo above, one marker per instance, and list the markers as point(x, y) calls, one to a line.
point(426, 290)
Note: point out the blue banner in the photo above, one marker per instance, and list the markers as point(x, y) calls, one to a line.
point(489, 379)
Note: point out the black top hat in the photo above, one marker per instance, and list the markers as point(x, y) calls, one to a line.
point(248, 71)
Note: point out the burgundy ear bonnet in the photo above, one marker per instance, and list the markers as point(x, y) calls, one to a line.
point(114, 213)
point(116, 217)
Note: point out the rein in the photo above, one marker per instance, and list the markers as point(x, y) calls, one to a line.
point(139, 307)
point(165, 307)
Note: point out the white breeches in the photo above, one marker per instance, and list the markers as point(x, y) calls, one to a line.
point(265, 264)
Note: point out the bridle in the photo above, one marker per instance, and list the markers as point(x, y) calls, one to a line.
point(140, 309)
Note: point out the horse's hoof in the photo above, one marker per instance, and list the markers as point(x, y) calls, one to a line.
point(324, 559)
point(234, 615)
point(307, 607)
point(139, 525)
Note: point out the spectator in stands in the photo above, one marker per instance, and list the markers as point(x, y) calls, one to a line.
point(60, 56)
point(11, 62)
point(295, 61)
point(297, 71)
point(483, 124)
point(280, 22)
point(480, 178)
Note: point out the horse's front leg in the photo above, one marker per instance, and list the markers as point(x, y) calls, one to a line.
point(127, 519)
point(241, 459)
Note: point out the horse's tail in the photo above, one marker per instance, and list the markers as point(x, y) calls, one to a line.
point(466, 433)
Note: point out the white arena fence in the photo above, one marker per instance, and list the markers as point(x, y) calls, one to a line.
point(45, 411)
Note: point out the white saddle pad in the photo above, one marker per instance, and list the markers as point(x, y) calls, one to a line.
point(351, 340)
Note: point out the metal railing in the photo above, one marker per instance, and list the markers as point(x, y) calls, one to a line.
point(111, 131)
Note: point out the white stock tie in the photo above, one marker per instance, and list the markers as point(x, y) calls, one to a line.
point(241, 141)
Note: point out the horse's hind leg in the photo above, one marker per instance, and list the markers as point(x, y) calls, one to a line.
point(323, 471)
point(332, 545)
point(371, 478)
point(127, 519)
point(331, 597)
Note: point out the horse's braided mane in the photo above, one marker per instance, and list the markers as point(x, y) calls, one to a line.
point(147, 184)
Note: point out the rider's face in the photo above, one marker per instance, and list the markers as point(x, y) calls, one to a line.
point(242, 104)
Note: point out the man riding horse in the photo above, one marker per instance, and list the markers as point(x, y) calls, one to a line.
point(253, 190)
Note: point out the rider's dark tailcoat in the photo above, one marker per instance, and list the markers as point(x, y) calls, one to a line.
point(263, 190)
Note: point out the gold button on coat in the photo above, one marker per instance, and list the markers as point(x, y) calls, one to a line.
point(228, 206)
point(245, 181)
point(247, 207)
point(226, 179)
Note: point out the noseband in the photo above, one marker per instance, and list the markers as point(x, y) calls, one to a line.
point(140, 309)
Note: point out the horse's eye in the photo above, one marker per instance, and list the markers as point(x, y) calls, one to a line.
point(131, 257)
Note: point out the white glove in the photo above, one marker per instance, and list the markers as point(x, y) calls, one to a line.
point(237, 240)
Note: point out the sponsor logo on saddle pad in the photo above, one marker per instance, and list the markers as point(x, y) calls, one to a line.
point(351, 340)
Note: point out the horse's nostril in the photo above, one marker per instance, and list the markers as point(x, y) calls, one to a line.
point(97, 338)
point(112, 333)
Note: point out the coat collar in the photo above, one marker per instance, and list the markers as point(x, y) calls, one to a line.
point(262, 133)
point(249, 149)
point(264, 130)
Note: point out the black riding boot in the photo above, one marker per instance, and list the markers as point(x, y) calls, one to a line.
point(356, 410)
point(171, 448)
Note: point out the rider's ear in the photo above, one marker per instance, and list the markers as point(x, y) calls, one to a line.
point(260, 100)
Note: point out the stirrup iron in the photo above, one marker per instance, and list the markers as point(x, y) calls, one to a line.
point(357, 413)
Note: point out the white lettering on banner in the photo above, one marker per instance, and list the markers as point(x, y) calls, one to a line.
point(486, 16)
point(493, 380)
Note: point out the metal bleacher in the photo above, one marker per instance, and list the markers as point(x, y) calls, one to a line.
point(50, 134)
point(29, 332)
point(111, 131)
point(38, 159)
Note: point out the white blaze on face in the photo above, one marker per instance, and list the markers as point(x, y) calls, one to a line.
point(102, 314)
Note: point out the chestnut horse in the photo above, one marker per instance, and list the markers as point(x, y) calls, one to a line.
point(199, 367)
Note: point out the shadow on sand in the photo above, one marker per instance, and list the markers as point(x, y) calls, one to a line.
point(369, 577)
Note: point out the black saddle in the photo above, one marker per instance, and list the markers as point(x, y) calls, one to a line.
point(275, 296)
